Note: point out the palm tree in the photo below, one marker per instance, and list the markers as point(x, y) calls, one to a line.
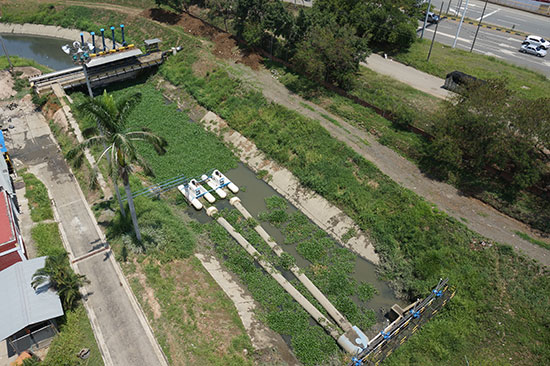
point(118, 142)
point(61, 277)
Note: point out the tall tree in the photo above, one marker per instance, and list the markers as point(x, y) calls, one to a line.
point(61, 278)
point(319, 56)
point(480, 130)
point(223, 8)
point(112, 117)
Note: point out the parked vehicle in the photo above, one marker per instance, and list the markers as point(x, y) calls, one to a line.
point(459, 82)
point(433, 18)
point(536, 41)
point(533, 50)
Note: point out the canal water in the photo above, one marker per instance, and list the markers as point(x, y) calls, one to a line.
point(252, 194)
point(44, 50)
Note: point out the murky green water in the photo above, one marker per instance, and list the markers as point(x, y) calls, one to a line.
point(44, 50)
point(252, 193)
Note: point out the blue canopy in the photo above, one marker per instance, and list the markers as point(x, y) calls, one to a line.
point(2, 143)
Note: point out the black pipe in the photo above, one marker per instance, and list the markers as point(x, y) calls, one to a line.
point(122, 30)
point(113, 32)
point(103, 39)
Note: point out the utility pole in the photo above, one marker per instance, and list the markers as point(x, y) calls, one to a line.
point(448, 7)
point(7, 54)
point(457, 12)
point(479, 25)
point(426, 19)
point(460, 24)
point(435, 32)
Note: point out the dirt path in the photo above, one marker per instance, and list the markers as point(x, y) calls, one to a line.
point(477, 216)
point(409, 75)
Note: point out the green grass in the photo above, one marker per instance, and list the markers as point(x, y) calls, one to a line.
point(533, 240)
point(409, 105)
point(444, 59)
point(417, 243)
point(75, 333)
point(19, 61)
point(47, 239)
point(37, 195)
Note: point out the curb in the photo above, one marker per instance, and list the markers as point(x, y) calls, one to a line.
point(493, 27)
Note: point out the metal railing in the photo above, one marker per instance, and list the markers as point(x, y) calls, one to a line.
point(34, 341)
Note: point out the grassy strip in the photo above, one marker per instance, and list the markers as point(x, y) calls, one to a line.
point(444, 59)
point(37, 194)
point(408, 104)
point(418, 244)
point(75, 333)
point(47, 239)
point(194, 315)
point(532, 240)
point(19, 61)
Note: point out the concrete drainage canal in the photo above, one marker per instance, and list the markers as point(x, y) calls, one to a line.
point(213, 195)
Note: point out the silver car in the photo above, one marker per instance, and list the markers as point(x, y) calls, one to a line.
point(533, 50)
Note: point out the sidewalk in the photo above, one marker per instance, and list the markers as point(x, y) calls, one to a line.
point(409, 75)
point(123, 334)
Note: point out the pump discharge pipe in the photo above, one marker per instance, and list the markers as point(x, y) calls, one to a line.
point(325, 303)
point(353, 339)
point(277, 276)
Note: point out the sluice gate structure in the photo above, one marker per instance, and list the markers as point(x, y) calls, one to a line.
point(98, 65)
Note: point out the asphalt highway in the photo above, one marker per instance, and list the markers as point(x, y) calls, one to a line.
point(499, 15)
point(489, 42)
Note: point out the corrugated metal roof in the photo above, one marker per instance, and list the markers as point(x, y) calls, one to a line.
point(102, 60)
point(21, 305)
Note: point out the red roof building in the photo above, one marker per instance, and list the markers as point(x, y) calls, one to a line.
point(12, 248)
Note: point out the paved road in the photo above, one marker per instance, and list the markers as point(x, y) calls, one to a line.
point(489, 42)
point(119, 325)
point(499, 15)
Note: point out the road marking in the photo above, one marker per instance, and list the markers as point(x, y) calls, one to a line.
point(450, 36)
point(546, 63)
point(492, 54)
point(508, 52)
point(488, 15)
point(506, 45)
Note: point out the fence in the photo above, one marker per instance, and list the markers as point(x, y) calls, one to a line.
point(34, 341)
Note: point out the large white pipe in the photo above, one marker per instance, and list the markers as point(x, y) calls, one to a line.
point(319, 296)
point(329, 327)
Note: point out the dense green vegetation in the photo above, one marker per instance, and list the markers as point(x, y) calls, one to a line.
point(331, 266)
point(418, 244)
point(444, 59)
point(311, 344)
point(37, 195)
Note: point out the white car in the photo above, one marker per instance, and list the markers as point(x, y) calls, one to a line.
point(533, 50)
point(537, 41)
